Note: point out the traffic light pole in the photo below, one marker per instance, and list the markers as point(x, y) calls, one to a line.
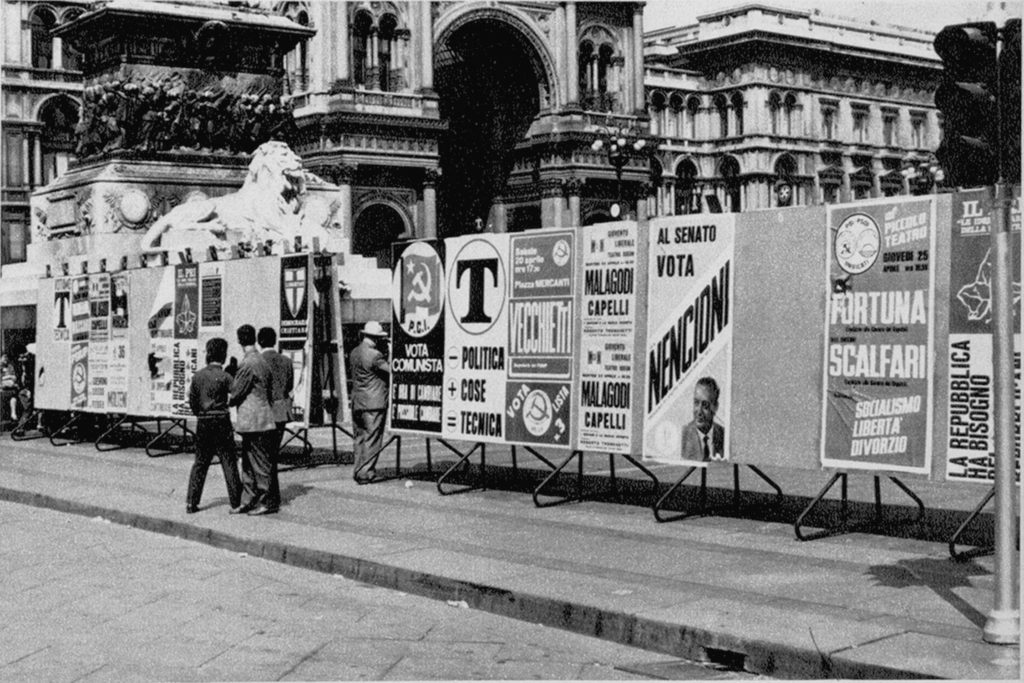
point(1003, 623)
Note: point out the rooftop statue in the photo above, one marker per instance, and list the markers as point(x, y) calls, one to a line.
point(270, 206)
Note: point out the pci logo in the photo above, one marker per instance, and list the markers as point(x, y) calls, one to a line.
point(418, 289)
point(477, 286)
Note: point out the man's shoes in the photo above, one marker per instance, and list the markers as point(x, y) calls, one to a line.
point(241, 509)
point(191, 509)
point(263, 510)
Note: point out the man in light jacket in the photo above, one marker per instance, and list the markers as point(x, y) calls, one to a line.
point(252, 393)
point(283, 375)
point(370, 371)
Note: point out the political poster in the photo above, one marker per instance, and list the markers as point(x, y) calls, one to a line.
point(476, 346)
point(606, 356)
point(99, 341)
point(211, 297)
point(294, 299)
point(417, 334)
point(160, 356)
point(688, 353)
point(541, 329)
point(877, 384)
point(79, 398)
point(80, 308)
point(119, 287)
point(970, 446)
point(62, 309)
point(117, 375)
point(185, 348)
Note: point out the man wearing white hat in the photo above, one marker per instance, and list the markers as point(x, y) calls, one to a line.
point(370, 372)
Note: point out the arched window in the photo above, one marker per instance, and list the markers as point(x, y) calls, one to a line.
point(729, 170)
point(298, 66)
point(70, 57)
point(790, 109)
point(361, 27)
point(785, 184)
point(376, 227)
point(692, 109)
point(722, 109)
point(687, 192)
point(596, 88)
point(657, 112)
point(42, 22)
point(737, 109)
point(675, 115)
point(59, 117)
point(386, 51)
point(774, 111)
point(586, 56)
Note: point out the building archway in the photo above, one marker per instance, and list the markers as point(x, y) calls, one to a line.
point(59, 117)
point(376, 226)
point(492, 81)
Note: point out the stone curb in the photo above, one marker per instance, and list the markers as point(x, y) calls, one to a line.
point(697, 644)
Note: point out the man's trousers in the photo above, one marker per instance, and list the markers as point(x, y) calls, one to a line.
point(369, 434)
point(214, 438)
point(259, 471)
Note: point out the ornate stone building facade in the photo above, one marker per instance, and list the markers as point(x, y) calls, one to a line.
point(440, 118)
point(41, 95)
point(759, 107)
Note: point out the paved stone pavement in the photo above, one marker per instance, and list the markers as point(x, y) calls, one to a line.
point(733, 588)
point(86, 600)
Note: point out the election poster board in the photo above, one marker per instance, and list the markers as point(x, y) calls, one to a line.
point(118, 357)
point(418, 336)
point(541, 338)
point(160, 353)
point(605, 394)
point(53, 344)
point(688, 351)
point(80, 323)
point(476, 337)
point(99, 341)
point(878, 379)
point(970, 446)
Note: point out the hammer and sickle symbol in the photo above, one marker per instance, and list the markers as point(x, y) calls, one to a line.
point(421, 288)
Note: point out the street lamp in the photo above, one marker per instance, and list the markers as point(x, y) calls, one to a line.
point(620, 144)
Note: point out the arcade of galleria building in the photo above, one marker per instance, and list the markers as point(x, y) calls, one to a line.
point(440, 118)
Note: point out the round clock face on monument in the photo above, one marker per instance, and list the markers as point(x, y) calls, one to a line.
point(784, 193)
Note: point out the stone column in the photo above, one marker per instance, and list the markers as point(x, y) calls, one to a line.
point(638, 59)
point(343, 34)
point(430, 178)
point(551, 203)
point(641, 201)
point(573, 189)
point(26, 171)
point(37, 159)
point(426, 47)
point(572, 62)
point(346, 176)
point(670, 196)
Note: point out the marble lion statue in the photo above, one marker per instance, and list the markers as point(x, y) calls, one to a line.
point(269, 206)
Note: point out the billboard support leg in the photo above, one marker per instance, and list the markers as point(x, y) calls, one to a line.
point(658, 505)
point(551, 477)
point(640, 466)
point(164, 433)
point(973, 552)
point(359, 473)
point(817, 499)
point(778, 489)
point(18, 433)
point(71, 422)
point(110, 430)
point(463, 459)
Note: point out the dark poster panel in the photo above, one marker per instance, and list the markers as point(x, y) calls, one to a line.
point(970, 440)
point(417, 334)
point(186, 301)
point(320, 390)
point(294, 299)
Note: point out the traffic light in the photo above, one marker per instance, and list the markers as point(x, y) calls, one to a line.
point(969, 152)
point(1009, 102)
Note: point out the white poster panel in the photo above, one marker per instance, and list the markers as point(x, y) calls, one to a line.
point(476, 337)
point(608, 321)
point(688, 374)
point(99, 341)
point(161, 346)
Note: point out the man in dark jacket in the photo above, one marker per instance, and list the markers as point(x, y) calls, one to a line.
point(208, 399)
point(252, 391)
point(370, 371)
